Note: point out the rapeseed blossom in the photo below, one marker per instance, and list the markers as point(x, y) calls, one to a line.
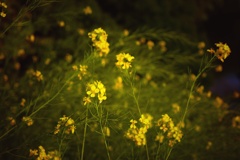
point(27, 120)
point(236, 122)
point(82, 70)
point(42, 155)
point(124, 60)
point(118, 83)
point(99, 39)
point(23, 101)
point(3, 5)
point(172, 132)
point(138, 134)
point(87, 10)
point(150, 44)
point(106, 131)
point(11, 120)
point(95, 89)
point(222, 52)
point(67, 123)
point(38, 75)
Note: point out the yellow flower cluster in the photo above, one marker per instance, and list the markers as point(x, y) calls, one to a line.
point(173, 133)
point(41, 154)
point(222, 52)
point(37, 74)
point(201, 46)
point(93, 89)
point(82, 69)
point(27, 120)
point(99, 39)
point(124, 60)
point(67, 124)
point(138, 135)
point(3, 5)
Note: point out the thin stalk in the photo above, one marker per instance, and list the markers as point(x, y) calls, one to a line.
point(193, 85)
point(168, 155)
point(84, 134)
point(146, 146)
point(158, 150)
point(103, 134)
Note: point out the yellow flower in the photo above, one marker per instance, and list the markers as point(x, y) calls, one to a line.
point(87, 10)
point(222, 52)
point(33, 152)
point(28, 120)
point(74, 67)
point(219, 68)
point(159, 138)
point(12, 121)
point(236, 122)
point(92, 90)
point(3, 4)
point(150, 44)
point(200, 89)
point(67, 123)
point(61, 23)
point(83, 71)
point(23, 101)
point(31, 38)
point(106, 131)
point(146, 119)
point(162, 45)
point(173, 133)
point(68, 57)
point(133, 122)
point(125, 32)
point(86, 100)
point(176, 107)
point(38, 75)
point(201, 45)
point(42, 155)
point(81, 31)
point(96, 88)
point(209, 145)
point(99, 39)
point(124, 60)
point(118, 83)
point(218, 102)
point(2, 14)
point(138, 135)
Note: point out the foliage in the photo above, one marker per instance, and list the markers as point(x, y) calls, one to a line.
point(75, 85)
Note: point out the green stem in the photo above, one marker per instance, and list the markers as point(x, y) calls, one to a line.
point(133, 94)
point(84, 134)
point(103, 134)
point(146, 146)
point(7, 132)
point(158, 150)
point(193, 85)
point(169, 152)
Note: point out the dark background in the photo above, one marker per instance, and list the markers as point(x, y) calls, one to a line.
point(209, 20)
